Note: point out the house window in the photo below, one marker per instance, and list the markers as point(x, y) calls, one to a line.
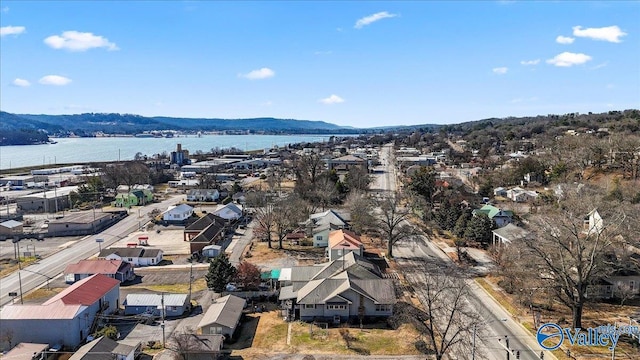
point(337, 307)
point(153, 261)
point(309, 306)
point(130, 259)
point(319, 237)
point(383, 307)
point(215, 330)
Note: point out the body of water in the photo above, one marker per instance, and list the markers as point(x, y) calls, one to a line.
point(79, 150)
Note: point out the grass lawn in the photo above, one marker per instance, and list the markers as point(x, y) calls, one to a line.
point(9, 266)
point(197, 285)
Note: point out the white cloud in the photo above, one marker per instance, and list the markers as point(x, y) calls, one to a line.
point(21, 82)
point(263, 73)
point(79, 41)
point(608, 33)
point(600, 65)
point(500, 70)
point(530, 62)
point(567, 59)
point(5, 9)
point(373, 18)
point(12, 30)
point(564, 40)
point(333, 99)
point(54, 80)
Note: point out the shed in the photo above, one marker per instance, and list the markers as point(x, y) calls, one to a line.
point(211, 251)
point(11, 227)
point(174, 304)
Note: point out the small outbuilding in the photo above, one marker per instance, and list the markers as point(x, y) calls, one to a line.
point(152, 304)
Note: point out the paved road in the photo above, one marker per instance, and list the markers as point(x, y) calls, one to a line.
point(421, 254)
point(50, 267)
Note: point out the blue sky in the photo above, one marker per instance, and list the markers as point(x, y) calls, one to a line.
point(358, 63)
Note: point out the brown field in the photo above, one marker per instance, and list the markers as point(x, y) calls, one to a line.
point(271, 337)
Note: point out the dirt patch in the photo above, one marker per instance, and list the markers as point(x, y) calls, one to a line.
point(291, 255)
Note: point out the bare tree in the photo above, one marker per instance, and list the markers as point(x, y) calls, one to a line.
point(265, 215)
point(392, 221)
point(186, 342)
point(361, 210)
point(450, 321)
point(287, 215)
point(358, 179)
point(572, 253)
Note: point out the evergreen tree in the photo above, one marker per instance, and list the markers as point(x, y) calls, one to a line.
point(220, 273)
point(461, 223)
point(479, 229)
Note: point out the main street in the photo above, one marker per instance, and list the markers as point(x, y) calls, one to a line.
point(37, 274)
point(417, 256)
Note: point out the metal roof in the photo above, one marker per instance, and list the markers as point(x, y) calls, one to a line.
point(10, 224)
point(156, 300)
point(128, 252)
point(51, 311)
point(97, 266)
point(86, 291)
point(224, 311)
point(344, 239)
point(25, 351)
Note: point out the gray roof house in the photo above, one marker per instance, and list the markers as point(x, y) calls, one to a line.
point(320, 224)
point(137, 256)
point(104, 348)
point(174, 304)
point(222, 317)
point(508, 234)
point(349, 287)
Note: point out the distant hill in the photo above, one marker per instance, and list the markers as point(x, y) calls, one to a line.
point(16, 127)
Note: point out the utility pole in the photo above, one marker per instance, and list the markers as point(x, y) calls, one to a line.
point(16, 240)
point(162, 325)
point(190, 280)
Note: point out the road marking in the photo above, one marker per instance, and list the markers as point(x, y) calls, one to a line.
point(68, 243)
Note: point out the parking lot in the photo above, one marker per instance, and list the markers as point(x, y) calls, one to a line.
point(169, 239)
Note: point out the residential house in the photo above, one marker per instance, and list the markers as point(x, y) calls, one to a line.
point(508, 234)
point(346, 288)
point(208, 230)
point(616, 286)
point(499, 216)
point(104, 348)
point(201, 347)
point(320, 224)
point(500, 191)
point(137, 256)
point(152, 304)
point(67, 318)
point(593, 223)
point(206, 195)
point(345, 163)
point(518, 194)
point(140, 195)
point(177, 214)
point(229, 212)
point(239, 197)
point(10, 228)
point(341, 242)
point(115, 269)
point(27, 351)
point(222, 317)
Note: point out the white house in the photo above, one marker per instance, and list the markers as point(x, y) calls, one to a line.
point(593, 223)
point(177, 213)
point(203, 195)
point(137, 256)
point(518, 194)
point(230, 211)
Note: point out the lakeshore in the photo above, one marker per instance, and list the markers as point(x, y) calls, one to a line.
point(101, 149)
